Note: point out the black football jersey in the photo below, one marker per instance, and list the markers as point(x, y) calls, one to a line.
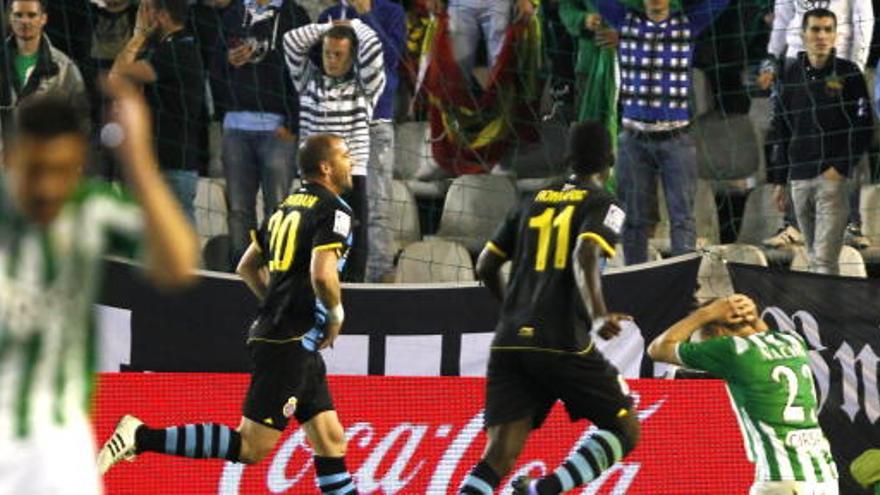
point(542, 308)
point(311, 219)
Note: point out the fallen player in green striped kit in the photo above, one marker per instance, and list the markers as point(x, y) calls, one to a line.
point(769, 378)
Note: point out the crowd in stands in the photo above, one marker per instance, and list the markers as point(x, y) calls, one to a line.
point(241, 82)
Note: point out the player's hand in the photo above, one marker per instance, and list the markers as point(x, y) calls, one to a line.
point(764, 80)
point(240, 55)
point(129, 128)
point(733, 310)
point(331, 331)
point(743, 309)
point(612, 325)
point(523, 11)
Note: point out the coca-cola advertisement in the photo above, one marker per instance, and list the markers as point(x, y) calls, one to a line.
point(421, 435)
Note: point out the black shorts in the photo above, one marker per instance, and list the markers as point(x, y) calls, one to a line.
point(287, 381)
point(523, 384)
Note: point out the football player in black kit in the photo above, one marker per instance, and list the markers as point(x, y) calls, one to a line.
point(292, 265)
point(543, 350)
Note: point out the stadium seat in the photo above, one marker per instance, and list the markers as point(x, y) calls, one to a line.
point(404, 215)
point(713, 277)
point(851, 262)
point(434, 260)
point(761, 218)
point(412, 148)
point(215, 254)
point(533, 185)
point(542, 158)
point(705, 211)
point(870, 209)
point(475, 205)
point(210, 209)
point(727, 147)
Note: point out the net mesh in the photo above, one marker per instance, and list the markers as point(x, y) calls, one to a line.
point(509, 120)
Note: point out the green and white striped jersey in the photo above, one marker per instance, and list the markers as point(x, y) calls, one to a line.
point(48, 283)
point(771, 385)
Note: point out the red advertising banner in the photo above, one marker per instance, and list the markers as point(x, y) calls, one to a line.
point(421, 435)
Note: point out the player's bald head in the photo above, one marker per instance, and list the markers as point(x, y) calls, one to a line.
point(317, 148)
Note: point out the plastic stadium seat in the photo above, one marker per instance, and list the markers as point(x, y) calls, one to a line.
point(404, 215)
point(761, 218)
point(705, 213)
point(412, 148)
point(475, 205)
point(713, 277)
point(434, 260)
point(727, 147)
point(541, 158)
point(210, 208)
point(870, 209)
point(215, 254)
point(851, 262)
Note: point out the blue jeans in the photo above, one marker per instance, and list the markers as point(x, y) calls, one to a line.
point(380, 252)
point(183, 184)
point(254, 159)
point(640, 162)
point(467, 18)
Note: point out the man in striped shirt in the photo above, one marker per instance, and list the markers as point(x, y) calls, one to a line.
point(338, 98)
point(54, 231)
point(769, 378)
point(656, 51)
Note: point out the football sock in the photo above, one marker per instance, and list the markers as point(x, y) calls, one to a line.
point(208, 440)
point(597, 454)
point(333, 477)
point(481, 481)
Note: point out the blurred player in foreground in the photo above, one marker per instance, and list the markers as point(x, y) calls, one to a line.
point(54, 230)
point(768, 375)
point(543, 350)
point(293, 267)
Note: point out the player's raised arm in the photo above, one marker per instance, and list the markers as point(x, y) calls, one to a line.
point(172, 248)
point(730, 310)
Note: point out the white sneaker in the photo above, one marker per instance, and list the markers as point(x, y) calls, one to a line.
point(784, 237)
point(121, 444)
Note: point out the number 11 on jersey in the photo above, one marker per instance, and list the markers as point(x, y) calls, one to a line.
point(545, 223)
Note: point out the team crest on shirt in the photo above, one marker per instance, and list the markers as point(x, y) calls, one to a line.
point(289, 408)
point(614, 218)
point(342, 223)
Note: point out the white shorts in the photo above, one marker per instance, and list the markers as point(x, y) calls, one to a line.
point(56, 461)
point(794, 488)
